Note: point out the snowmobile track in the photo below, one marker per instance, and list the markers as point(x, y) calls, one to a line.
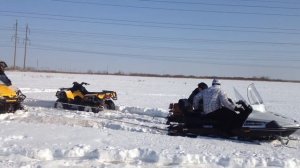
point(133, 123)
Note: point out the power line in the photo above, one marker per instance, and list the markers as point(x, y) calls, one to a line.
point(160, 58)
point(219, 4)
point(251, 1)
point(139, 46)
point(171, 57)
point(208, 29)
point(204, 60)
point(177, 9)
point(148, 22)
point(5, 41)
point(165, 25)
point(271, 1)
point(215, 27)
point(215, 51)
point(212, 50)
point(6, 29)
point(172, 39)
point(159, 38)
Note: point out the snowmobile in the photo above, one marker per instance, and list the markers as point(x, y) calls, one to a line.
point(78, 98)
point(259, 125)
point(11, 98)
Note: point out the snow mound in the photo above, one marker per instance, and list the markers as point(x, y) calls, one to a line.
point(153, 112)
point(43, 154)
point(77, 151)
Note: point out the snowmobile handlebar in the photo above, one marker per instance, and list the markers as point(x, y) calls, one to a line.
point(84, 83)
point(241, 102)
point(244, 105)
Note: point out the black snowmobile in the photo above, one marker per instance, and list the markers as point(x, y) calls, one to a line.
point(259, 125)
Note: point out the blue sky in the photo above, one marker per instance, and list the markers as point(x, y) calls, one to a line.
point(193, 37)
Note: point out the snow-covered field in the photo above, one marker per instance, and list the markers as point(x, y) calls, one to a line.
point(46, 137)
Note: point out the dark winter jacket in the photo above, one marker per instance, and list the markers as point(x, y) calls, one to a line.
point(4, 79)
point(194, 93)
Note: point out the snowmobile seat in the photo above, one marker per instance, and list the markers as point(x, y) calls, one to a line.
point(196, 120)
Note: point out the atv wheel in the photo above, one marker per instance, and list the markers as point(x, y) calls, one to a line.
point(110, 105)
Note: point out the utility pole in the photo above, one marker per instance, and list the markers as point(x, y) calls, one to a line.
point(37, 63)
point(16, 39)
point(25, 52)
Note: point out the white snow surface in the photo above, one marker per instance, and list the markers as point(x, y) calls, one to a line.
point(133, 135)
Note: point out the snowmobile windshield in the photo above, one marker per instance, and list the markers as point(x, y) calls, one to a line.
point(253, 95)
point(255, 99)
point(238, 96)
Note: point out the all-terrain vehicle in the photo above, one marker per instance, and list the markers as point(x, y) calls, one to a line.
point(260, 124)
point(78, 98)
point(11, 98)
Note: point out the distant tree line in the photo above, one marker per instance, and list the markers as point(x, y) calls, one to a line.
point(262, 78)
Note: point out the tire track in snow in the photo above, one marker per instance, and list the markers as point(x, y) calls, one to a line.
point(102, 120)
point(36, 90)
point(125, 118)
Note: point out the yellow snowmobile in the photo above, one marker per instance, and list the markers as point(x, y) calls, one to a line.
point(10, 97)
point(78, 98)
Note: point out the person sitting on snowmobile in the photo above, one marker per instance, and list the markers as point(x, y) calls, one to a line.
point(201, 86)
point(3, 78)
point(185, 105)
point(218, 107)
